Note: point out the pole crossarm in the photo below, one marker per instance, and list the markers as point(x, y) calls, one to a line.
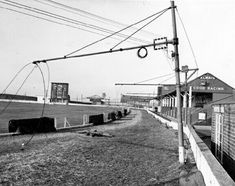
point(188, 70)
point(166, 42)
point(194, 71)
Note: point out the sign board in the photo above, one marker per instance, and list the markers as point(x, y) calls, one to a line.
point(219, 108)
point(202, 116)
point(208, 88)
point(59, 91)
point(210, 84)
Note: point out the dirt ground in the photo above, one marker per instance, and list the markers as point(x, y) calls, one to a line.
point(141, 151)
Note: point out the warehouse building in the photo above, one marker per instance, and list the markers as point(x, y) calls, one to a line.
point(200, 94)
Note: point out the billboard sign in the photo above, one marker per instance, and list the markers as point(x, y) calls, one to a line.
point(59, 91)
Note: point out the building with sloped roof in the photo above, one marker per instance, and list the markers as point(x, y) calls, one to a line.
point(201, 93)
point(136, 101)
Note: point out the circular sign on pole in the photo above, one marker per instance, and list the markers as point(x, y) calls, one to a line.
point(142, 52)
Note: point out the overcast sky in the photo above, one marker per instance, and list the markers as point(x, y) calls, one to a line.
point(209, 24)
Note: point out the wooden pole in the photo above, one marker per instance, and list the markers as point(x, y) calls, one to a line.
point(186, 99)
point(177, 76)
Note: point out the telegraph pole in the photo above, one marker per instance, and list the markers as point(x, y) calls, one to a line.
point(186, 97)
point(185, 69)
point(177, 76)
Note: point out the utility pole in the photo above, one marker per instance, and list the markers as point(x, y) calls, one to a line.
point(186, 97)
point(185, 69)
point(177, 77)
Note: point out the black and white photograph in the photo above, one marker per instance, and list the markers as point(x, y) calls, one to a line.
point(117, 92)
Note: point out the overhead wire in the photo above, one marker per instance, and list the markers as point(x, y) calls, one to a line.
point(3, 110)
point(158, 77)
point(88, 15)
point(48, 79)
point(44, 104)
point(45, 19)
point(191, 47)
point(15, 77)
point(45, 13)
point(167, 79)
point(65, 19)
point(160, 14)
point(44, 89)
point(129, 26)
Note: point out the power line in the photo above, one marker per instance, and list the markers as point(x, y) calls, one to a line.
point(44, 89)
point(59, 23)
point(141, 28)
point(48, 79)
point(97, 17)
point(90, 15)
point(45, 19)
point(15, 77)
point(167, 79)
point(154, 78)
point(66, 19)
point(3, 110)
point(44, 103)
point(195, 60)
point(49, 14)
point(97, 41)
point(45, 13)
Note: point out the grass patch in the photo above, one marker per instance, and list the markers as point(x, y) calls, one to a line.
point(141, 153)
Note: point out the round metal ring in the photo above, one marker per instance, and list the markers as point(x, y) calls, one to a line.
point(145, 54)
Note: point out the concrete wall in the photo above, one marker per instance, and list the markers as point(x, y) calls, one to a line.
point(213, 173)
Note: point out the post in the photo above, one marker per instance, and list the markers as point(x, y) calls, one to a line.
point(85, 119)
point(55, 122)
point(65, 121)
point(104, 117)
point(190, 97)
point(186, 98)
point(177, 76)
point(190, 104)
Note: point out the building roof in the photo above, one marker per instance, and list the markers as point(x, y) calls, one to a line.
point(130, 98)
point(206, 83)
point(209, 83)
